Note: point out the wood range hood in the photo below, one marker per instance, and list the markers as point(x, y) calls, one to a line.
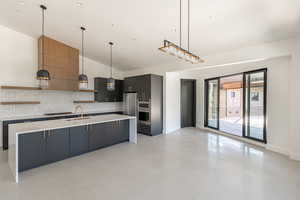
point(62, 62)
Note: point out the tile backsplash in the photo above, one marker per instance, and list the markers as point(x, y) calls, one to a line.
point(51, 102)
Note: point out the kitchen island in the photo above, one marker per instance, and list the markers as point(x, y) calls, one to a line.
point(34, 144)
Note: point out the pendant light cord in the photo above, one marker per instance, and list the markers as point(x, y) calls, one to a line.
point(188, 25)
point(111, 60)
point(43, 33)
point(82, 49)
point(180, 34)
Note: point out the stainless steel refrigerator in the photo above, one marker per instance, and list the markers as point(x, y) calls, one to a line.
point(130, 104)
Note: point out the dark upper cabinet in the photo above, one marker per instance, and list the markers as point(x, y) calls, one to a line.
point(141, 85)
point(32, 150)
point(103, 95)
point(79, 140)
point(57, 146)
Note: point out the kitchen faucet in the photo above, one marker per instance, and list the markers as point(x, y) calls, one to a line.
point(79, 107)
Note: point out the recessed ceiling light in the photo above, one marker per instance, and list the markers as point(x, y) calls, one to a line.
point(79, 3)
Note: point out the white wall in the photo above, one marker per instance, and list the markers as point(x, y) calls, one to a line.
point(18, 66)
point(172, 102)
point(278, 134)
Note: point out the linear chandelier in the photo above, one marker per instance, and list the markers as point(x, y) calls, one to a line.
point(178, 51)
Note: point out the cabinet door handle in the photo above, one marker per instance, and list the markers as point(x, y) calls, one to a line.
point(87, 128)
point(44, 135)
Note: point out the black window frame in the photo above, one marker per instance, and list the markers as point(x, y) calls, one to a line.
point(265, 70)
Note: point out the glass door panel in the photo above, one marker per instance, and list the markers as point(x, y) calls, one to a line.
point(231, 104)
point(212, 101)
point(255, 105)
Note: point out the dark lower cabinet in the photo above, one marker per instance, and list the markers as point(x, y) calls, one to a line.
point(97, 138)
point(79, 140)
point(107, 134)
point(32, 151)
point(6, 123)
point(57, 145)
point(40, 148)
point(123, 131)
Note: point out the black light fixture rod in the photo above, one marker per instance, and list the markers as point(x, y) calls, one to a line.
point(111, 44)
point(180, 34)
point(188, 25)
point(82, 49)
point(43, 33)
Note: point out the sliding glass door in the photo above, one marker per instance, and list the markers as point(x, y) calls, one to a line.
point(255, 105)
point(231, 104)
point(236, 104)
point(212, 99)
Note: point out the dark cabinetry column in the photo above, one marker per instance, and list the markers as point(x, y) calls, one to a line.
point(149, 88)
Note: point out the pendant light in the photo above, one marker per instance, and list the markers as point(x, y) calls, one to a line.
point(178, 51)
point(83, 79)
point(42, 74)
point(111, 81)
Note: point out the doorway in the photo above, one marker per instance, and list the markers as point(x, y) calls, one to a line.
point(188, 103)
point(236, 104)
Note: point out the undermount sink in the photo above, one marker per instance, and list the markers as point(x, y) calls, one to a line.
point(78, 118)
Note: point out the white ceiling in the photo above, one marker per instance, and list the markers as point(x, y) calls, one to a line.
point(138, 27)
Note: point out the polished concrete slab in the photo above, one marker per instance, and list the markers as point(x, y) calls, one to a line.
point(188, 164)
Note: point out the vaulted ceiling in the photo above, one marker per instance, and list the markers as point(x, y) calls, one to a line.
point(138, 27)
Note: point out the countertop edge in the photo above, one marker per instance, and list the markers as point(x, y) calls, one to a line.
point(126, 117)
point(26, 117)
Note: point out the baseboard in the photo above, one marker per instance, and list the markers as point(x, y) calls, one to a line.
point(295, 157)
point(235, 137)
point(272, 148)
point(277, 149)
point(172, 130)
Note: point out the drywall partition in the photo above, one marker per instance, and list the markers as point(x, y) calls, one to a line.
point(294, 101)
point(172, 102)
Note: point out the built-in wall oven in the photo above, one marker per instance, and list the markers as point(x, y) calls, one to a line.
point(144, 117)
point(144, 111)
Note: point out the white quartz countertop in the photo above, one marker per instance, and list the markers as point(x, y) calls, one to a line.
point(28, 127)
point(50, 116)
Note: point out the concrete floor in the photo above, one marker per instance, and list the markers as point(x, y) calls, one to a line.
point(189, 164)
